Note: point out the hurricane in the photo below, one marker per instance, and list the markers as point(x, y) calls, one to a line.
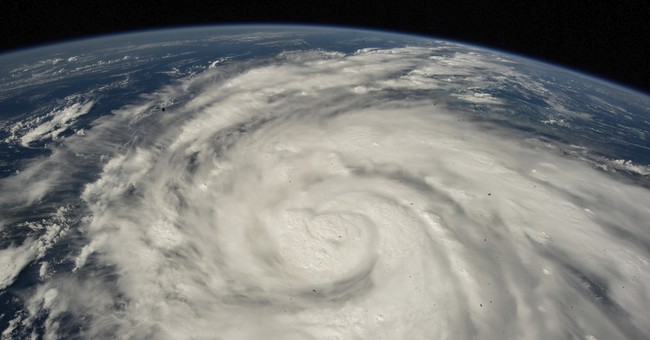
point(319, 194)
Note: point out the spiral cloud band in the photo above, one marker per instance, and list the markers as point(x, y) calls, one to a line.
point(323, 195)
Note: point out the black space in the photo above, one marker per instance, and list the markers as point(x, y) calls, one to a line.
point(609, 39)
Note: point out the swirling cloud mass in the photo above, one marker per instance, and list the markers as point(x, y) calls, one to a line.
point(325, 195)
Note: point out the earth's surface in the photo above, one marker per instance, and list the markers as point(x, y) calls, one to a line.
point(316, 183)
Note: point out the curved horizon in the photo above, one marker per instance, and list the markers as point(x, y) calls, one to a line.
point(152, 30)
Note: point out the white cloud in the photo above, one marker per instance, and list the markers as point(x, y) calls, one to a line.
point(628, 165)
point(15, 258)
point(12, 260)
point(56, 122)
point(306, 197)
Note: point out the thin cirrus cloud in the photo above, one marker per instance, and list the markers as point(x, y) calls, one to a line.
point(316, 195)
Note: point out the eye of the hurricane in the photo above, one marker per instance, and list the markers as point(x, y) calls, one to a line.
point(321, 246)
point(326, 246)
